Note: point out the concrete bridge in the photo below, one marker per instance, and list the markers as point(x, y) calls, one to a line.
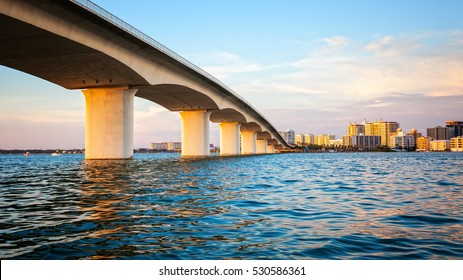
point(78, 45)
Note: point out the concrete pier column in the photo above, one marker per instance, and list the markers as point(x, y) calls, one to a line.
point(195, 133)
point(248, 142)
point(109, 123)
point(270, 149)
point(229, 138)
point(261, 146)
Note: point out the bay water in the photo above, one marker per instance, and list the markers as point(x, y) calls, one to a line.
point(282, 206)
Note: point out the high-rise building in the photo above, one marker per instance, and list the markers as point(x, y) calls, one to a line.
point(323, 139)
point(355, 129)
point(362, 141)
point(381, 128)
point(299, 139)
point(291, 136)
point(454, 128)
point(288, 136)
point(414, 133)
point(438, 133)
point(309, 138)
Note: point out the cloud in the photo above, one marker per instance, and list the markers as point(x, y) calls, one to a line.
point(342, 79)
point(430, 63)
point(223, 64)
point(336, 41)
point(390, 46)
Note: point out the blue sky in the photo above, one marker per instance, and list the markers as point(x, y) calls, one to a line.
point(313, 66)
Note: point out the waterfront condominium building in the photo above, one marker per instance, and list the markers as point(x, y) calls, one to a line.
point(440, 145)
point(381, 128)
point(174, 146)
point(309, 138)
point(166, 146)
point(159, 146)
point(456, 144)
point(454, 128)
point(299, 139)
point(414, 133)
point(402, 141)
point(368, 142)
point(323, 139)
point(438, 133)
point(288, 135)
point(423, 143)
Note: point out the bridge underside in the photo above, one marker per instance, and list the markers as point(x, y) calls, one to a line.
point(177, 98)
point(74, 66)
point(67, 45)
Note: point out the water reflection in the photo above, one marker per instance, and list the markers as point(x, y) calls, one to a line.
point(157, 207)
point(305, 206)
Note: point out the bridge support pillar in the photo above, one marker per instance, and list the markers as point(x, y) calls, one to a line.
point(195, 133)
point(270, 149)
point(229, 138)
point(248, 142)
point(109, 123)
point(261, 146)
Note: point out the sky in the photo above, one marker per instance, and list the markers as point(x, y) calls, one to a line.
point(311, 66)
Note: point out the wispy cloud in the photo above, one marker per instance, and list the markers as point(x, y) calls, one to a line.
point(341, 78)
point(430, 63)
point(337, 41)
point(392, 46)
point(223, 64)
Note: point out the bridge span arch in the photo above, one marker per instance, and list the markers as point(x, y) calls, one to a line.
point(78, 45)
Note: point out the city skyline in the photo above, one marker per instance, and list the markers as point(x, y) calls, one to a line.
point(294, 61)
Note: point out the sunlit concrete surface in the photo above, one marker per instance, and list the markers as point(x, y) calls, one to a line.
point(229, 138)
point(195, 133)
point(109, 123)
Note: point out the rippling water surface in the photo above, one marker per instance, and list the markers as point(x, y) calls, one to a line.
point(288, 206)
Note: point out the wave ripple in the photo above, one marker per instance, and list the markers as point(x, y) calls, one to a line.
point(288, 206)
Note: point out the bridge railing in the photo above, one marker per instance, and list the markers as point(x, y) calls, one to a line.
point(94, 8)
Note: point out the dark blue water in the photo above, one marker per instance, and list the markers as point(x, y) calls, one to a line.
point(288, 206)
